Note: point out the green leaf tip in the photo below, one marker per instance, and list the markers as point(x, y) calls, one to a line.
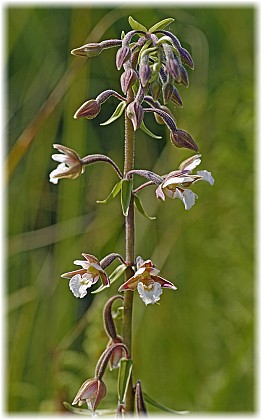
point(136, 25)
point(161, 25)
point(126, 191)
point(116, 189)
point(140, 208)
point(147, 131)
point(117, 113)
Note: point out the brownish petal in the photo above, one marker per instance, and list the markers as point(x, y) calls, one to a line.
point(71, 274)
point(130, 284)
point(164, 283)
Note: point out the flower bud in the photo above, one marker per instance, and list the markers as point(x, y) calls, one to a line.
point(155, 89)
point(186, 57)
point(88, 50)
point(122, 55)
point(181, 138)
point(135, 113)
point(89, 110)
point(176, 98)
point(184, 77)
point(167, 91)
point(140, 404)
point(92, 391)
point(144, 70)
point(128, 79)
point(118, 353)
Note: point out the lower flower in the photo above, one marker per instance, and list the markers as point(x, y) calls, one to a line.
point(147, 282)
point(91, 392)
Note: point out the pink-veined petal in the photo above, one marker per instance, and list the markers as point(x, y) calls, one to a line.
point(159, 193)
point(164, 283)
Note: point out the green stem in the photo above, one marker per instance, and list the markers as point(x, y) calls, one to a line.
point(130, 236)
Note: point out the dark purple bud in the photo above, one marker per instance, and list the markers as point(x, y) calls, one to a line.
point(186, 57)
point(88, 50)
point(176, 98)
point(128, 79)
point(167, 92)
point(135, 113)
point(144, 70)
point(181, 138)
point(140, 404)
point(89, 110)
point(122, 55)
point(184, 77)
point(172, 63)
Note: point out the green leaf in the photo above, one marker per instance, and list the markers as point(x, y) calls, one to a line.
point(113, 194)
point(123, 34)
point(140, 208)
point(124, 374)
point(136, 25)
point(160, 406)
point(117, 113)
point(113, 277)
point(126, 191)
point(161, 25)
point(147, 131)
point(87, 412)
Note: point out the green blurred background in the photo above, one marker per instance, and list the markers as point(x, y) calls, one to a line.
point(195, 350)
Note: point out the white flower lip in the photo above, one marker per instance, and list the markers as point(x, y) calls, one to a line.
point(149, 294)
point(76, 286)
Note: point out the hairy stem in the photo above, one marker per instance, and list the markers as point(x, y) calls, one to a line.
point(130, 233)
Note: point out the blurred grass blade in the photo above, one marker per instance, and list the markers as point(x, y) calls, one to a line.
point(126, 191)
point(161, 406)
point(124, 374)
point(140, 208)
point(113, 194)
point(161, 25)
point(147, 131)
point(113, 277)
point(117, 113)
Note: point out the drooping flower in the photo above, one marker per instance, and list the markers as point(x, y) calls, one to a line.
point(147, 282)
point(85, 277)
point(91, 392)
point(176, 183)
point(70, 165)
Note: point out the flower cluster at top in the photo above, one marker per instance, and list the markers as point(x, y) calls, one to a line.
point(154, 63)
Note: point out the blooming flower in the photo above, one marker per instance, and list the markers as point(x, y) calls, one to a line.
point(71, 165)
point(176, 183)
point(85, 277)
point(91, 392)
point(147, 282)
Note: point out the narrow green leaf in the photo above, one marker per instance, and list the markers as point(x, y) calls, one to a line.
point(160, 406)
point(113, 277)
point(126, 191)
point(147, 131)
point(161, 25)
point(124, 374)
point(117, 113)
point(122, 34)
point(140, 208)
point(113, 194)
point(136, 25)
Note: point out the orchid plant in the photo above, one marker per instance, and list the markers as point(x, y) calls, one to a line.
point(154, 63)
